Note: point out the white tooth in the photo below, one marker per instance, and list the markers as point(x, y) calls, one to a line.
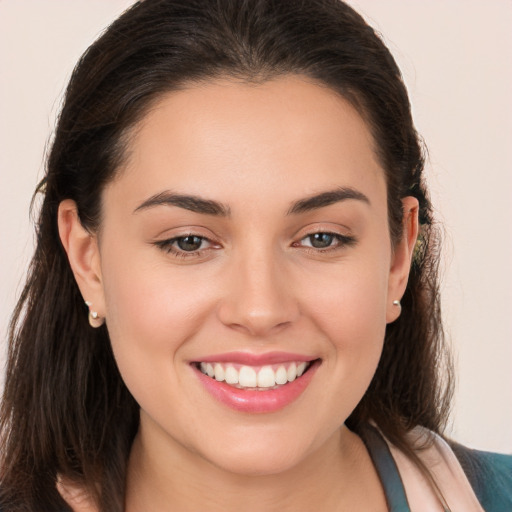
point(219, 372)
point(281, 375)
point(209, 370)
point(300, 369)
point(292, 372)
point(247, 377)
point(203, 367)
point(231, 375)
point(266, 377)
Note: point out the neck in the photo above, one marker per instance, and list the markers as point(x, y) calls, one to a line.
point(337, 476)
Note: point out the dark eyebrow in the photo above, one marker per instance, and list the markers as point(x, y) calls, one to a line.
point(188, 202)
point(326, 199)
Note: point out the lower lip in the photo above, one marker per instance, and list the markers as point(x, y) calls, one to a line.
point(254, 401)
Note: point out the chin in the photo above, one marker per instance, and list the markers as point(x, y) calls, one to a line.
point(262, 464)
point(259, 455)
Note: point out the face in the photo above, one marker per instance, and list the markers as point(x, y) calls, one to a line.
point(247, 238)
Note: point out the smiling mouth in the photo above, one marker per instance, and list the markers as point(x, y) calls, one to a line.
point(255, 378)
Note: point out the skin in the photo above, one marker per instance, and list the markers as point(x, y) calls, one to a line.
point(256, 286)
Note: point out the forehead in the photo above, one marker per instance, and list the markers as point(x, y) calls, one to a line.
point(290, 135)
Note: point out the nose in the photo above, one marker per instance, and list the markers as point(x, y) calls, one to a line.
point(258, 299)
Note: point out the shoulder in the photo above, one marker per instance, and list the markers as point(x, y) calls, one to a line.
point(472, 479)
point(490, 475)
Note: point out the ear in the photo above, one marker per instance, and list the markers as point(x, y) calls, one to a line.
point(75, 496)
point(402, 257)
point(83, 254)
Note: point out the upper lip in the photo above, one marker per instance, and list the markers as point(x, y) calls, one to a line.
point(251, 359)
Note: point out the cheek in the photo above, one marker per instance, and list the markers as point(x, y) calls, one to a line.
point(146, 299)
point(150, 313)
point(351, 313)
point(350, 303)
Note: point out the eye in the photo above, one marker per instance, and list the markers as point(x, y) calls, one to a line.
point(324, 241)
point(189, 243)
point(320, 240)
point(185, 246)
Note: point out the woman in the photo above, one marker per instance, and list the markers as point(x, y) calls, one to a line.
point(233, 300)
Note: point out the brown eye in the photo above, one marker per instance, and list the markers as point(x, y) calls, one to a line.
point(189, 243)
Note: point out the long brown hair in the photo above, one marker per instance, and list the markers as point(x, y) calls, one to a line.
point(65, 409)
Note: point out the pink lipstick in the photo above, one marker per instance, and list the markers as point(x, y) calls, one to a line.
point(256, 383)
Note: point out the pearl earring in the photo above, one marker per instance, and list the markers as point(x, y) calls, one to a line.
point(94, 319)
point(397, 303)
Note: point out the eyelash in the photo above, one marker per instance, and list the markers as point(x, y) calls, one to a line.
point(169, 245)
point(342, 242)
